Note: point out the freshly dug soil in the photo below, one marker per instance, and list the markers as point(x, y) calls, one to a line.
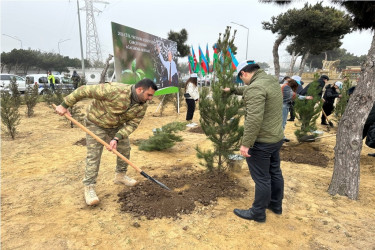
point(150, 200)
point(305, 153)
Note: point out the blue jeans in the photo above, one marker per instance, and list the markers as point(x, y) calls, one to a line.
point(264, 167)
point(285, 113)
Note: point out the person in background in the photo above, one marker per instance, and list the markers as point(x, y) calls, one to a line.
point(51, 80)
point(299, 90)
point(329, 97)
point(262, 138)
point(369, 121)
point(170, 65)
point(289, 89)
point(321, 83)
point(115, 112)
point(191, 97)
point(76, 79)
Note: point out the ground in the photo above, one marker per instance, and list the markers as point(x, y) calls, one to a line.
point(42, 204)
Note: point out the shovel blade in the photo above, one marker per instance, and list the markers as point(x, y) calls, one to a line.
point(154, 180)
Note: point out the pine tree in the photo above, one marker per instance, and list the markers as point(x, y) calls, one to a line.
point(10, 115)
point(343, 101)
point(307, 111)
point(163, 137)
point(31, 98)
point(219, 116)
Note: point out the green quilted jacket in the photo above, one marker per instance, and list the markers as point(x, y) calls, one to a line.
point(263, 102)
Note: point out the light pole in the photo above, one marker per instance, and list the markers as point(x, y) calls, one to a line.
point(247, 42)
point(14, 37)
point(61, 41)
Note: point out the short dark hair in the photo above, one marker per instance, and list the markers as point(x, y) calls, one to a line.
point(324, 77)
point(146, 84)
point(251, 68)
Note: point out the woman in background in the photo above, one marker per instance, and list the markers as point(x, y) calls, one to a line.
point(191, 97)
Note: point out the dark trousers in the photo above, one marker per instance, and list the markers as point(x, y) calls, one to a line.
point(327, 108)
point(264, 166)
point(291, 110)
point(52, 86)
point(190, 109)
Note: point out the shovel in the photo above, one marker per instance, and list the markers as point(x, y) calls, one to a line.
point(329, 122)
point(311, 138)
point(113, 150)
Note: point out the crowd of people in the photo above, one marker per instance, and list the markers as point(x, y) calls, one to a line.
point(117, 109)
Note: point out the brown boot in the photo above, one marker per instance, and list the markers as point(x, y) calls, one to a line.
point(90, 195)
point(122, 178)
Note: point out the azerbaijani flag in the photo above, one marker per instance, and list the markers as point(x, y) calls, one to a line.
point(216, 57)
point(234, 60)
point(191, 63)
point(203, 61)
point(196, 65)
point(208, 57)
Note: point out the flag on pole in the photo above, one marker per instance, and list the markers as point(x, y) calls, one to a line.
point(196, 65)
point(191, 63)
point(216, 57)
point(203, 61)
point(208, 58)
point(234, 60)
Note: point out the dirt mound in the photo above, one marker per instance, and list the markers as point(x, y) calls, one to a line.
point(305, 154)
point(149, 200)
point(198, 130)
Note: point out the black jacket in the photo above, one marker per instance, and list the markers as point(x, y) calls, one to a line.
point(320, 87)
point(330, 94)
point(371, 116)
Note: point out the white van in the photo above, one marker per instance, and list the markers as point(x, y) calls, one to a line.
point(65, 83)
point(6, 78)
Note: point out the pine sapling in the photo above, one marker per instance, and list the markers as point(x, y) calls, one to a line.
point(219, 116)
point(10, 115)
point(31, 99)
point(308, 111)
point(163, 138)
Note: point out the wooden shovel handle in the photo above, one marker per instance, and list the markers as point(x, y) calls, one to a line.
point(100, 140)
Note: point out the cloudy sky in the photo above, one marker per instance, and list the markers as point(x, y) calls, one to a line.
point(52, 25)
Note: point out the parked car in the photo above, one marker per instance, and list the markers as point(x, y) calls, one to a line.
point(5, 81)
point(61, 82)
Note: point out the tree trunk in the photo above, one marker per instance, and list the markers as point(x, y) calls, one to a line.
point(292, 63)
point(303, 63)
point(275, 53)
point(106, 66)
point(345, 178)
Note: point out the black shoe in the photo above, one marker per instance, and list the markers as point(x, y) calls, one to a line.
point(324, 123)
point(275, 209)
point(373, 155)
point(286, 140)
point(249, 215)
point(290, 120)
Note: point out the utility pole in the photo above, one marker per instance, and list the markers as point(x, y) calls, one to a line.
point(93, 51)
point(247, 42)
point(80, 39)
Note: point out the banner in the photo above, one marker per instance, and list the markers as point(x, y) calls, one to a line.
point(140, 55)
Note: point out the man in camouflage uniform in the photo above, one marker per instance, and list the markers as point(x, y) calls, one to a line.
point(116, 111)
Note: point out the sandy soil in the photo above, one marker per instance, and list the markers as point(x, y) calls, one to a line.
point(42, 204)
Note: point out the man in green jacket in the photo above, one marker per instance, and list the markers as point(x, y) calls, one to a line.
point(116, 111)
point(262, 139)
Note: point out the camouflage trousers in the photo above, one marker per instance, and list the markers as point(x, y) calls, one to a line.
point(95, 150)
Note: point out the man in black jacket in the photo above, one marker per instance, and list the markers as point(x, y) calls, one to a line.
point(329, 99)
point(322, 82)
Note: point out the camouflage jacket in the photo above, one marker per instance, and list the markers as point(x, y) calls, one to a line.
point(111, 107)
